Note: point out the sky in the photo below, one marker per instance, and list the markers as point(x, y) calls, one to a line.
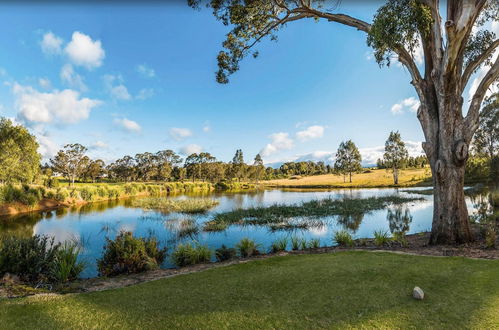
point(133, 77)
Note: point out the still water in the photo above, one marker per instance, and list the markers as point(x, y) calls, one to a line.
point(92, 223)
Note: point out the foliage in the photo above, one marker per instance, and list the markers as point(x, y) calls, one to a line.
point(71, 161)
point(314, 243)
point(19, 158)
point(396, 154)
point(38, 259)
point(311, 210)
point(247, 247)
point(348, 159)
point(190, 254)
point(127, 254)
point(381, 238)
point(343, 238)
point(176, 205)
point(224, 253)
point(279, 245)
point(486, 138)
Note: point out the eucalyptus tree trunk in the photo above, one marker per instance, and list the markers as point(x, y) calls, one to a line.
point(395, 175)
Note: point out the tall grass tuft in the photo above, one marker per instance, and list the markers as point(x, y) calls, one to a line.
point(279, 245)
point(381, 238)
point(343, 238)
point(247, 247)
point(190, 254)
point(314, 243)
point(224, 253)
point(66, 265)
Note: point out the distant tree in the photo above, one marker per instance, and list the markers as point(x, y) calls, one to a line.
point(19, 157)
point(258, 167)
point(179, 173)
point(193, 166)
point(165, 162)
point(486, 139)
point(71, 161)
point(238, 166)
point(95, 169)
point(348, 159)
point(395, 154)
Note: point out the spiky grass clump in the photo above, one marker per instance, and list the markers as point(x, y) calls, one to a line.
point(190, 254)
point(343, 238)
point(163, 204)
point(247, 247)
point(279, 245)
point(381, 238)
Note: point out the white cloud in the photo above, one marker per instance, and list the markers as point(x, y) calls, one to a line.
point(44, 83)
point(371, 154)
point(279, 141)
point(99, 145)
point(145, 71)
point(145, 93)
point(114, 85)
point(207, 127)
point(83, 51)
point(179, 134)
point(410, 103)
point(46, 147)
point(73, 79)
point(312, 132)
point(128, 125)
point(317, 156)
point(56, 107)
point(51, 44)
point(190, 149)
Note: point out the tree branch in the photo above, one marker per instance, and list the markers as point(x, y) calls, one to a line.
point(475, 64)
point(471, 120)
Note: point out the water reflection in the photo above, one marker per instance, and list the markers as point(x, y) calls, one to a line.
point(399, 220)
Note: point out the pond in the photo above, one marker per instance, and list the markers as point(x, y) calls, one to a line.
point(92, 223)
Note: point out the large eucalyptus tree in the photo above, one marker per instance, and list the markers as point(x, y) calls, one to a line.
point(455, 43)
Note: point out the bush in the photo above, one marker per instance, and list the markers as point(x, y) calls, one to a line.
point(279, 245)
point(189, 254)
point(39, 259)
point(399, 237)
point(61, 194)
point(343, 238)
point(52, 182)
point(113, 192)
point(87, 193)
point(127, 254)
point(66, 265)
point(225, 253)
point(314, 243)
point(247, 248)
point(381, 238)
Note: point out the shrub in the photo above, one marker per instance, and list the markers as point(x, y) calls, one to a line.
point(75, 194)
point(279, 245)
point(52, 182)
point(297, 243)
point(225, 253)
point(28, 258)
point(247, 248)
point(101, 191)
point(61, 194)
point(399, 237)
point(130, 190)
point(381, 238)
point(189, 254)
point(127, 254)
point(343, 238)
point(66, 265)
point(113, 192)
point(314, 243)
point(87, 193)
point(490, 237)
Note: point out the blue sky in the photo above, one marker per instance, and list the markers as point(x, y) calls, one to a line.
point(130, 78)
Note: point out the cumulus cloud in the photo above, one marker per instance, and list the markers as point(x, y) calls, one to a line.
point(411, 104)
point(84, 51)
point(46, 147)
point(207, 127)
point(145, 93)
point(279, 141)
point(371, 154)
point(44, 83)
point(317, 156)
point(99, 145)
point(51, 44)
point(312, 132)
point(190, 149)
point(64, 106)
point(128, 125)
point(73, 79)
point(179, 134)
point(114, 85)
point(145, 71)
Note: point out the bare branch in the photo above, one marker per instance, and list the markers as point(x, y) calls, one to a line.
point(475, 64)
point(471, 120)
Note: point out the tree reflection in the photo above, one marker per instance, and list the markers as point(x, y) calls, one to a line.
point(350, 221)
point(399, 220)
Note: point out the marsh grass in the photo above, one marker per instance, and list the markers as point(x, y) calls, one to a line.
point(381, 238)
point(247, 247)
point(279, 245)
point(280, 216)
point(163, 204)
point(314, 243)
point(343, 238)
point(190, 254)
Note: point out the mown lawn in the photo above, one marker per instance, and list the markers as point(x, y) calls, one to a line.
point(375, 178)
point(347, 289)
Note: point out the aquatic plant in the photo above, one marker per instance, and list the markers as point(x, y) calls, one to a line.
point(343, 238)
point(296, 242)
point(66, 265)
point(279, 245)
point(197, 205)
point(224, 253)
point(247, 247)
point(381, 237)
point(127, 254)
point(314, 243)
point(190, 254)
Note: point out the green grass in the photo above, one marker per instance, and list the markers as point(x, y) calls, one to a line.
point(342, 290)
point(175, 205)
point(280, 216)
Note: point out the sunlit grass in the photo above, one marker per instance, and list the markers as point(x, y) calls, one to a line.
point(192, 205)
point(340, 290)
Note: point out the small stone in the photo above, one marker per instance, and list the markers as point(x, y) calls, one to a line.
point(417, 293)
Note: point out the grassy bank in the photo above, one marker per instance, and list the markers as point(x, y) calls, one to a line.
point(282, 215)
point(175, 205)
point(348, 289)
point(371, 179)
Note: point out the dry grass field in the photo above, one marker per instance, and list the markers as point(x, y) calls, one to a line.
point(373, 178)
